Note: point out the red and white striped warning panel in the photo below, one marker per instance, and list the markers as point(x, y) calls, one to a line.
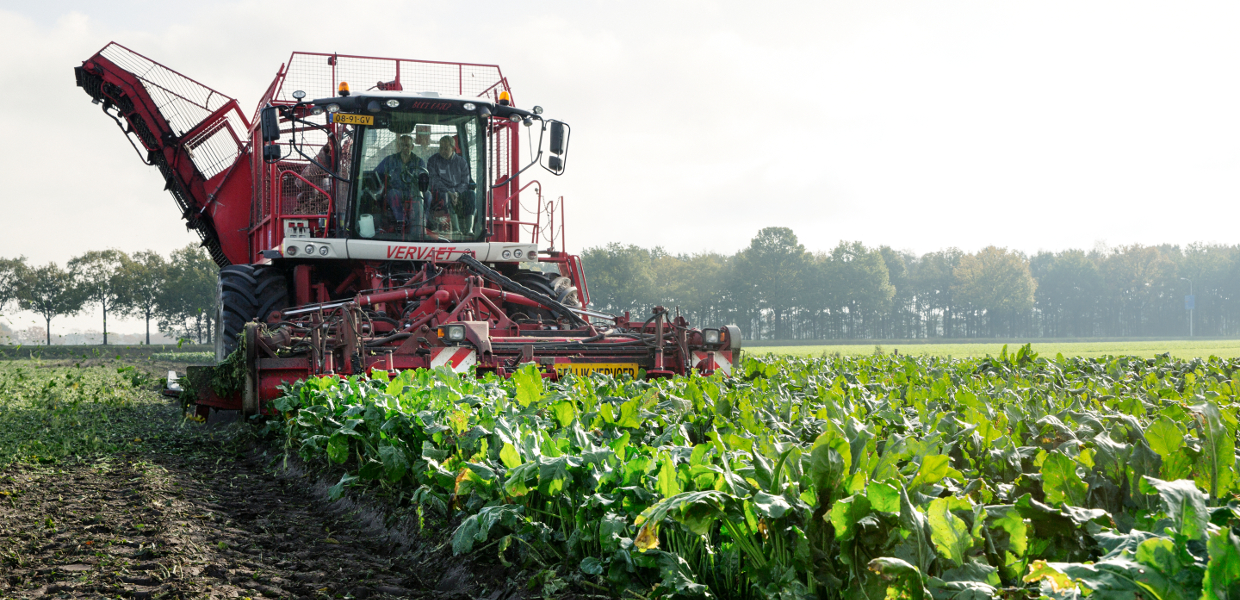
point(457, 358)
point(712, 361)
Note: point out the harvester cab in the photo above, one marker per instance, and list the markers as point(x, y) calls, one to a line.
point(381, 229)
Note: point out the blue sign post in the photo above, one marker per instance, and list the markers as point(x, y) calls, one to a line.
point(1188, 302)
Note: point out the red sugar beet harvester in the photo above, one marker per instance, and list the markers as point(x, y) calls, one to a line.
point(381, 229)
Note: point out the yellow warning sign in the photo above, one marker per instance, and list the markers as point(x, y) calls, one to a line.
point(613, 369)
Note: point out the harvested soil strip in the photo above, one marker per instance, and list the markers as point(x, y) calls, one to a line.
point(209, 523)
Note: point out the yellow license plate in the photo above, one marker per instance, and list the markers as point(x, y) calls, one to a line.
point(348, 119)
point(613, 369)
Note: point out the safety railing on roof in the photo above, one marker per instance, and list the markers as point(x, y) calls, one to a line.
point(319, 75)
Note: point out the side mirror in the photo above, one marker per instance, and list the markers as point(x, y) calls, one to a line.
point(558, 147)
point(558, 143)
point(424, 182)
point(271, 153)
point(270, 124)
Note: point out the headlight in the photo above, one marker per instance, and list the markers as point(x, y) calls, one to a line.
point(291, 251)
point(452, 333)
point(537, 110)
point(333, 107)
point(515, 118)
point(517, 253)
point(392, 103)
point(318, 110)
point(710, 336)
point(468, 106)
point(507, 254)
point(322, 250)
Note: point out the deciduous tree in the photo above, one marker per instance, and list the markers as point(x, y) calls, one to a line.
point(774, 265)
point(144, 277)
point(98, 272)
point(996, 282)
point(50, 292)
point(186, 307)
point(621, 277)
point(11, 272)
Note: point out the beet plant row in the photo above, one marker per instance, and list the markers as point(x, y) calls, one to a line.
point(869, 477)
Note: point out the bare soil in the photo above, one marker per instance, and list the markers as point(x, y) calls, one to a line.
point(216, 514)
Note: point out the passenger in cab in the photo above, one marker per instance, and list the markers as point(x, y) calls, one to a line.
point(399, 175)
point(452, 192)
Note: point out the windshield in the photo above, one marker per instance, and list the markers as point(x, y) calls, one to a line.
point(419, 175)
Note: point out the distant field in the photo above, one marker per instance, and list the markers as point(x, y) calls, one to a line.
point(1145, 348)
point(164, 352)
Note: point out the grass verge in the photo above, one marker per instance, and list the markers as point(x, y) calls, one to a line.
point(1145, 349)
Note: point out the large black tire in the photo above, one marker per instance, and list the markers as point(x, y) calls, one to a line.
point(552, 286)
point(235, 304)
point(538, 283)
point(271, 291)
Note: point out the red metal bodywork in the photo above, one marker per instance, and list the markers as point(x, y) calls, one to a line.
point(354, 316)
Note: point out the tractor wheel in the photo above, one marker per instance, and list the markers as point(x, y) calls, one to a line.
point(271, 292)
point(235, 304)
point(539, 283)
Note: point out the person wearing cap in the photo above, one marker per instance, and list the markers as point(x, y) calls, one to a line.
point(399, 175)
point(451, 190)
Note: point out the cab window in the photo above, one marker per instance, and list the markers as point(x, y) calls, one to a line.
point(421, 177)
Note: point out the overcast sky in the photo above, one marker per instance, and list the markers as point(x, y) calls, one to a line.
point(919, 125)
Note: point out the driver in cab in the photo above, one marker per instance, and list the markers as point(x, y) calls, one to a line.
point(399, 175)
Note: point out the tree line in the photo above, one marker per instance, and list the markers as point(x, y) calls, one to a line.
point(177, 292)
point(776, 289)
point(773, 289)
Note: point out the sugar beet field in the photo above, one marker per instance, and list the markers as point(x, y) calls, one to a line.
point(1012, 475)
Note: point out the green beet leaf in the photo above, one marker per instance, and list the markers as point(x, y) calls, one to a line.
point(529, 384)
point(667, 484)
point(475, 528)
point(1111, 579)
point(1222, 578)
point(1184, 504)
point(1160, 553)
point(1060, 482)
point(335, 492)
point(395, 463)
point(565, 411)
point(829, 460)
point(553, 474)
point(883, 497)
point(902, 578)
point(630, 414)
point(845, 515)
point(338, 448)
point(950, 533)
point(933, 469)
point(509, 456)
point(1164, 437)
point(1216, 466)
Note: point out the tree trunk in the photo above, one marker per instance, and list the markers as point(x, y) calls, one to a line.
point(148, 328)
point(49, 330)
point(105, 322)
